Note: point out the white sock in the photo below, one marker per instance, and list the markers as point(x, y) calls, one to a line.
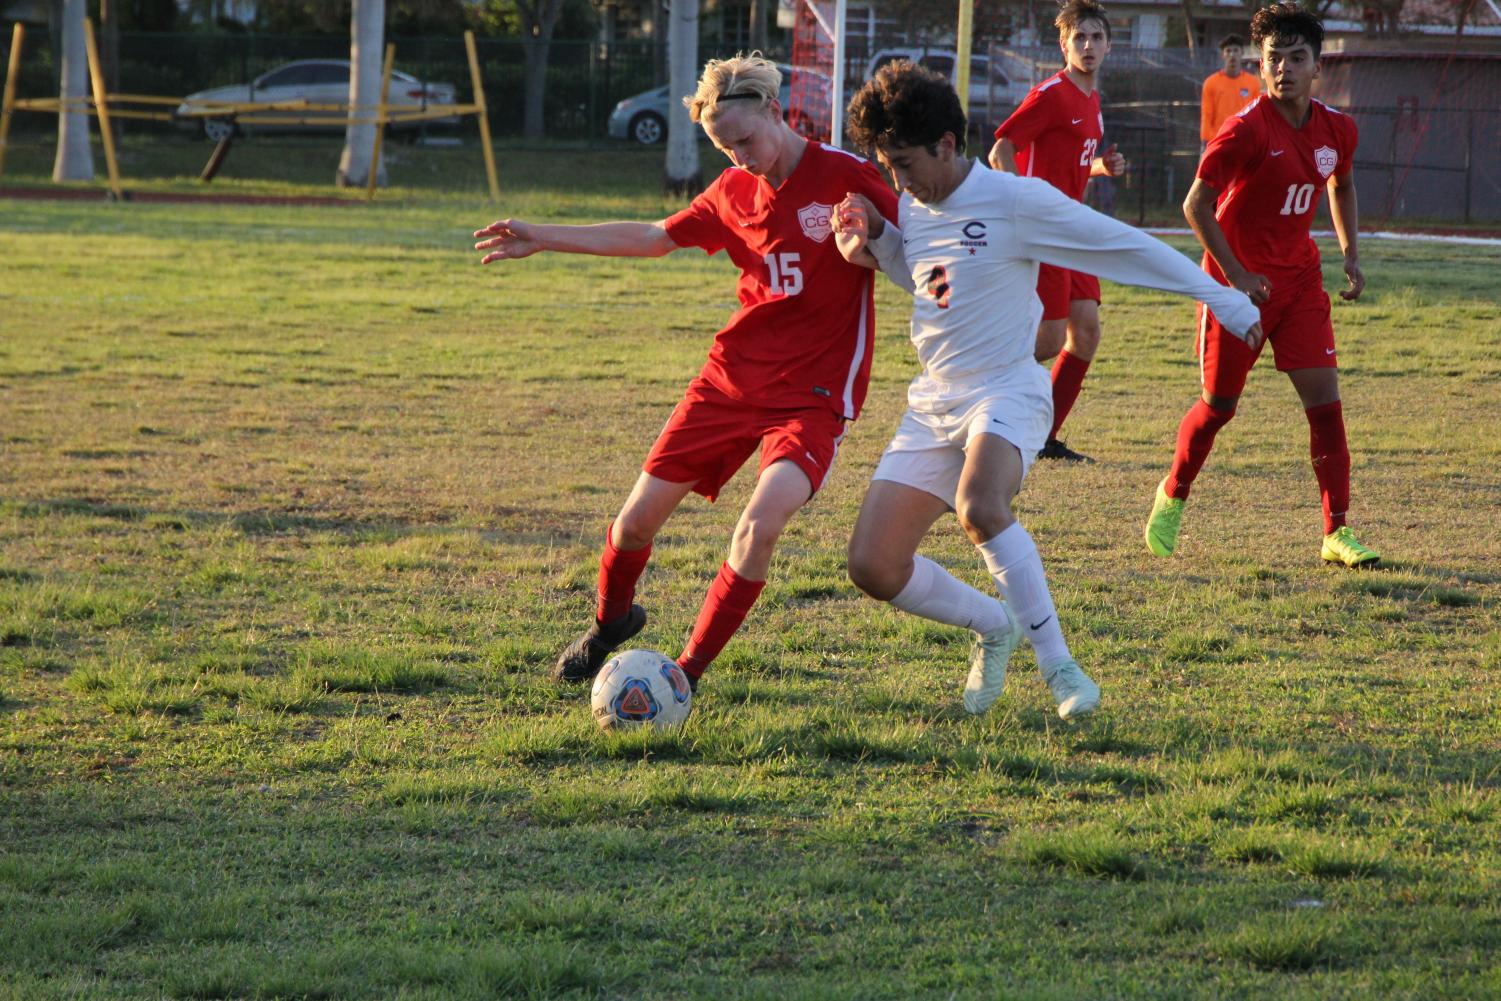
point(936, 594)
point(1012, 559)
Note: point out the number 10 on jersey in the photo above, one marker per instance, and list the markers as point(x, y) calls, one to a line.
point(1299, 198)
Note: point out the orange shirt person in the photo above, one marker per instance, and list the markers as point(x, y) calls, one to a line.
point(1228, 90)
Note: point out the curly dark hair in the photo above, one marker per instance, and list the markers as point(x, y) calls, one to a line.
point(1072, 12)
point(1287, 24)
point(905, 104)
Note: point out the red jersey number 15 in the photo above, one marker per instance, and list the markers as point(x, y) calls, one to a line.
point(786, 276)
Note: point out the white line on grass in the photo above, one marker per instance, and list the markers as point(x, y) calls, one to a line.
point(1472, 241)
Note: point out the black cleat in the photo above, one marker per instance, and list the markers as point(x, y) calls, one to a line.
point(583, 658)
point(1056, 449)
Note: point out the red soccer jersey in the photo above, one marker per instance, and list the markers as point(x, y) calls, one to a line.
point(1270, 177)
point(803, 332)
point(1057, 132)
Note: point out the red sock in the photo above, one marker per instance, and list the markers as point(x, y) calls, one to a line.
point(1195, 439)
point(729, 600)
point(619, 569)
point(1330, 453)
point(1068, 379)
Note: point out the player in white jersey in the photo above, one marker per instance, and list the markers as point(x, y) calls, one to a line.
point(967, 245)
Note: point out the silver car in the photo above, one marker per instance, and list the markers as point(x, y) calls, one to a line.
point(642, 117)
point(309, 81)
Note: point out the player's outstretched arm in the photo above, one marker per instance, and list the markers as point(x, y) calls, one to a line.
point(1346, 217)
point(1198, 209)
point(512, 239)
point(1055, 229)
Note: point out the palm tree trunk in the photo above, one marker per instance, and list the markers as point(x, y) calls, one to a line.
point(682, 175)
point(75, 158)
point(367, 35)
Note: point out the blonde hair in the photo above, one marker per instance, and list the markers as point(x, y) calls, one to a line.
point(744, 78)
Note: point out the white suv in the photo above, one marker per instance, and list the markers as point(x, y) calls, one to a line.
point(987, 82)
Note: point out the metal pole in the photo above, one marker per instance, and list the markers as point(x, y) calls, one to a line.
point(101, 106)
point(484, 115)
point(836, 121)
point(8, 105)
point(380, 121)
point(1469, 162)
point(962, 52)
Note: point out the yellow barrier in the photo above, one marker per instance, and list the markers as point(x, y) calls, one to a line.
point(104, 106)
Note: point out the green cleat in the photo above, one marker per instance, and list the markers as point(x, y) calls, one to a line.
point(1341, 546)
point(1162, 523)
point(987, 664)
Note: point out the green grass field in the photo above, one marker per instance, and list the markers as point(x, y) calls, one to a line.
point(298, 504)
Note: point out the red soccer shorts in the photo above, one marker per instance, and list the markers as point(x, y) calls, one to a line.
point(1295, 322)
point(1057, 287)
point(710, 435)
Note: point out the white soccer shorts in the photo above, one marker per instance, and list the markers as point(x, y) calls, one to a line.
point(927, 451)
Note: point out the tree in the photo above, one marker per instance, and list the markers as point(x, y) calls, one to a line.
point(367, 32)
point(75, 158)
point(682, 175)
point(758, 37)
point(538, 19)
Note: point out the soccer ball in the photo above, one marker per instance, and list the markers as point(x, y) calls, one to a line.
point(640, 688)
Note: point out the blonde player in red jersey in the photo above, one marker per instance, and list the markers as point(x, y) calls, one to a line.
point(1055, 135)
point(786, 374)
point(1252, 206)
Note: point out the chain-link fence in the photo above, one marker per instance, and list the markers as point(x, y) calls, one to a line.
point(1442, 164)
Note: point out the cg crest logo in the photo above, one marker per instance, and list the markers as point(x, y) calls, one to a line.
point(814, 219)
point(1326, 160)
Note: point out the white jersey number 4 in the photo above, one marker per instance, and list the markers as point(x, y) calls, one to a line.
point(1299, 198)
point(786, 276)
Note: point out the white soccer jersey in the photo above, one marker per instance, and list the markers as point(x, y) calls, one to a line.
point(971, 263)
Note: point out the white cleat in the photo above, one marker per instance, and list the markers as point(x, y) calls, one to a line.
point(987, 664)
point(1077, 695)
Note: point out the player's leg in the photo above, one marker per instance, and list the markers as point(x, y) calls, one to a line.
point(884, 562)
point(1080, 344)
point(1051, 336)
point(1225, 362)
point(914, 484)
point(797, 454)
point(993, 472)
point(1306, 353)
point(781, 489)
point(702, 444)
point(1053, 291)
point(627, 549)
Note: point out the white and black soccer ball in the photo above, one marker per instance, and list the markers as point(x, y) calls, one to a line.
point(640, 688)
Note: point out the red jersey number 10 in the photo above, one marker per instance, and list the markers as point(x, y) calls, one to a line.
point(1299, 199)
point(786, 276)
